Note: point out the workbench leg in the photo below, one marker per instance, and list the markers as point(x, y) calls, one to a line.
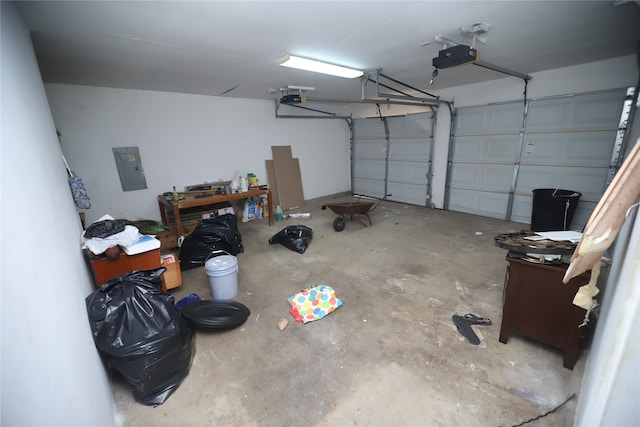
point(176, 216)
point(270, 203)
point(163, 213)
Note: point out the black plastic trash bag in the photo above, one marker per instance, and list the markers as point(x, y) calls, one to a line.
point(294, 237)
point(105, 228)
point(219, 233)
point(141, 335)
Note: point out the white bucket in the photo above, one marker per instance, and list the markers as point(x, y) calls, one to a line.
point(223, 276)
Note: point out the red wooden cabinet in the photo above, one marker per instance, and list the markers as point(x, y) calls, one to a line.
point(104, 269)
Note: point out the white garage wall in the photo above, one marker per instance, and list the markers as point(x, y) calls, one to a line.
point(186, 139)
point(52, 374)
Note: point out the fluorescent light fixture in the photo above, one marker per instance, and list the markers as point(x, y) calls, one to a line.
point(301, 87)
point(319, 67)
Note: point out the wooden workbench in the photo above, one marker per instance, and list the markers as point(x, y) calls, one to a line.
point(190, 201)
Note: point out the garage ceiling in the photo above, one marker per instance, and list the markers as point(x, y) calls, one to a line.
point(232, 48)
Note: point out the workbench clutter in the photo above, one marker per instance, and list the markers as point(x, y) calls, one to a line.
point(254, 208)
point(202, 204)
point(243, 183)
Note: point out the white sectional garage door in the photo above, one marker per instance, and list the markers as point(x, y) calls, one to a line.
point(483, 152)
point(393, 156)
point(498, 155)
point(568, 143)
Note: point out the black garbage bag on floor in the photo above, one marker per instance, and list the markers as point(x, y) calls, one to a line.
point(219, 233)
point(140, 334)
point(294, 237)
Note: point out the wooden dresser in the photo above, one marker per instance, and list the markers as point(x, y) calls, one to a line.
point(539, 306)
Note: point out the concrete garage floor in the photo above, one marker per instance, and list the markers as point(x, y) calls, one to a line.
point(390, 356)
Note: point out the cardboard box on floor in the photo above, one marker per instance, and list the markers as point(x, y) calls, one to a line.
point(285, 178)
point(172, 277)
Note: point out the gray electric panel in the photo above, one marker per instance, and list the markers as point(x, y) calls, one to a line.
point(130, 168)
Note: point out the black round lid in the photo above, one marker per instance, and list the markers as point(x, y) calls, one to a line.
point(216, 314)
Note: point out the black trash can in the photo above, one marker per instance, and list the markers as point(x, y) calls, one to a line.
point(553, 209)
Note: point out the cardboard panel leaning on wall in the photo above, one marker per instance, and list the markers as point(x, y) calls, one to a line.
point(288, 181)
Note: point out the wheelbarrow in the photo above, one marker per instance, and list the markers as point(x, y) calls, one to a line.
point(352, 209)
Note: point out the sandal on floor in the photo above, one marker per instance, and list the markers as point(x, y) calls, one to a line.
point(465, 329)
point(475, 320)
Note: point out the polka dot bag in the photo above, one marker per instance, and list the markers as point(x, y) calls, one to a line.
point(313, 303)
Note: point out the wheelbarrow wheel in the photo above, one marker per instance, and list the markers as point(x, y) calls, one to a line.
point(338, 223)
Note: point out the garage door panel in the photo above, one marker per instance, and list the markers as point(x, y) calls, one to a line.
point(485, 146)
point(369, 169)
point(582, 214)
point(492, 205)
point(487, 177)
point(464, 175)
point(413, 124)
point(368, 187)
point(600, 110)
point(371, 148)
point(369, 129)
point(410, 149)
point(410, 172)
point(496, 148)
point(549, 116)
point(591, 113)
point(407, 193)
point(585, 148)
point(400, 163)
point(588, 181)
point(521, 211)
point(489, 118)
